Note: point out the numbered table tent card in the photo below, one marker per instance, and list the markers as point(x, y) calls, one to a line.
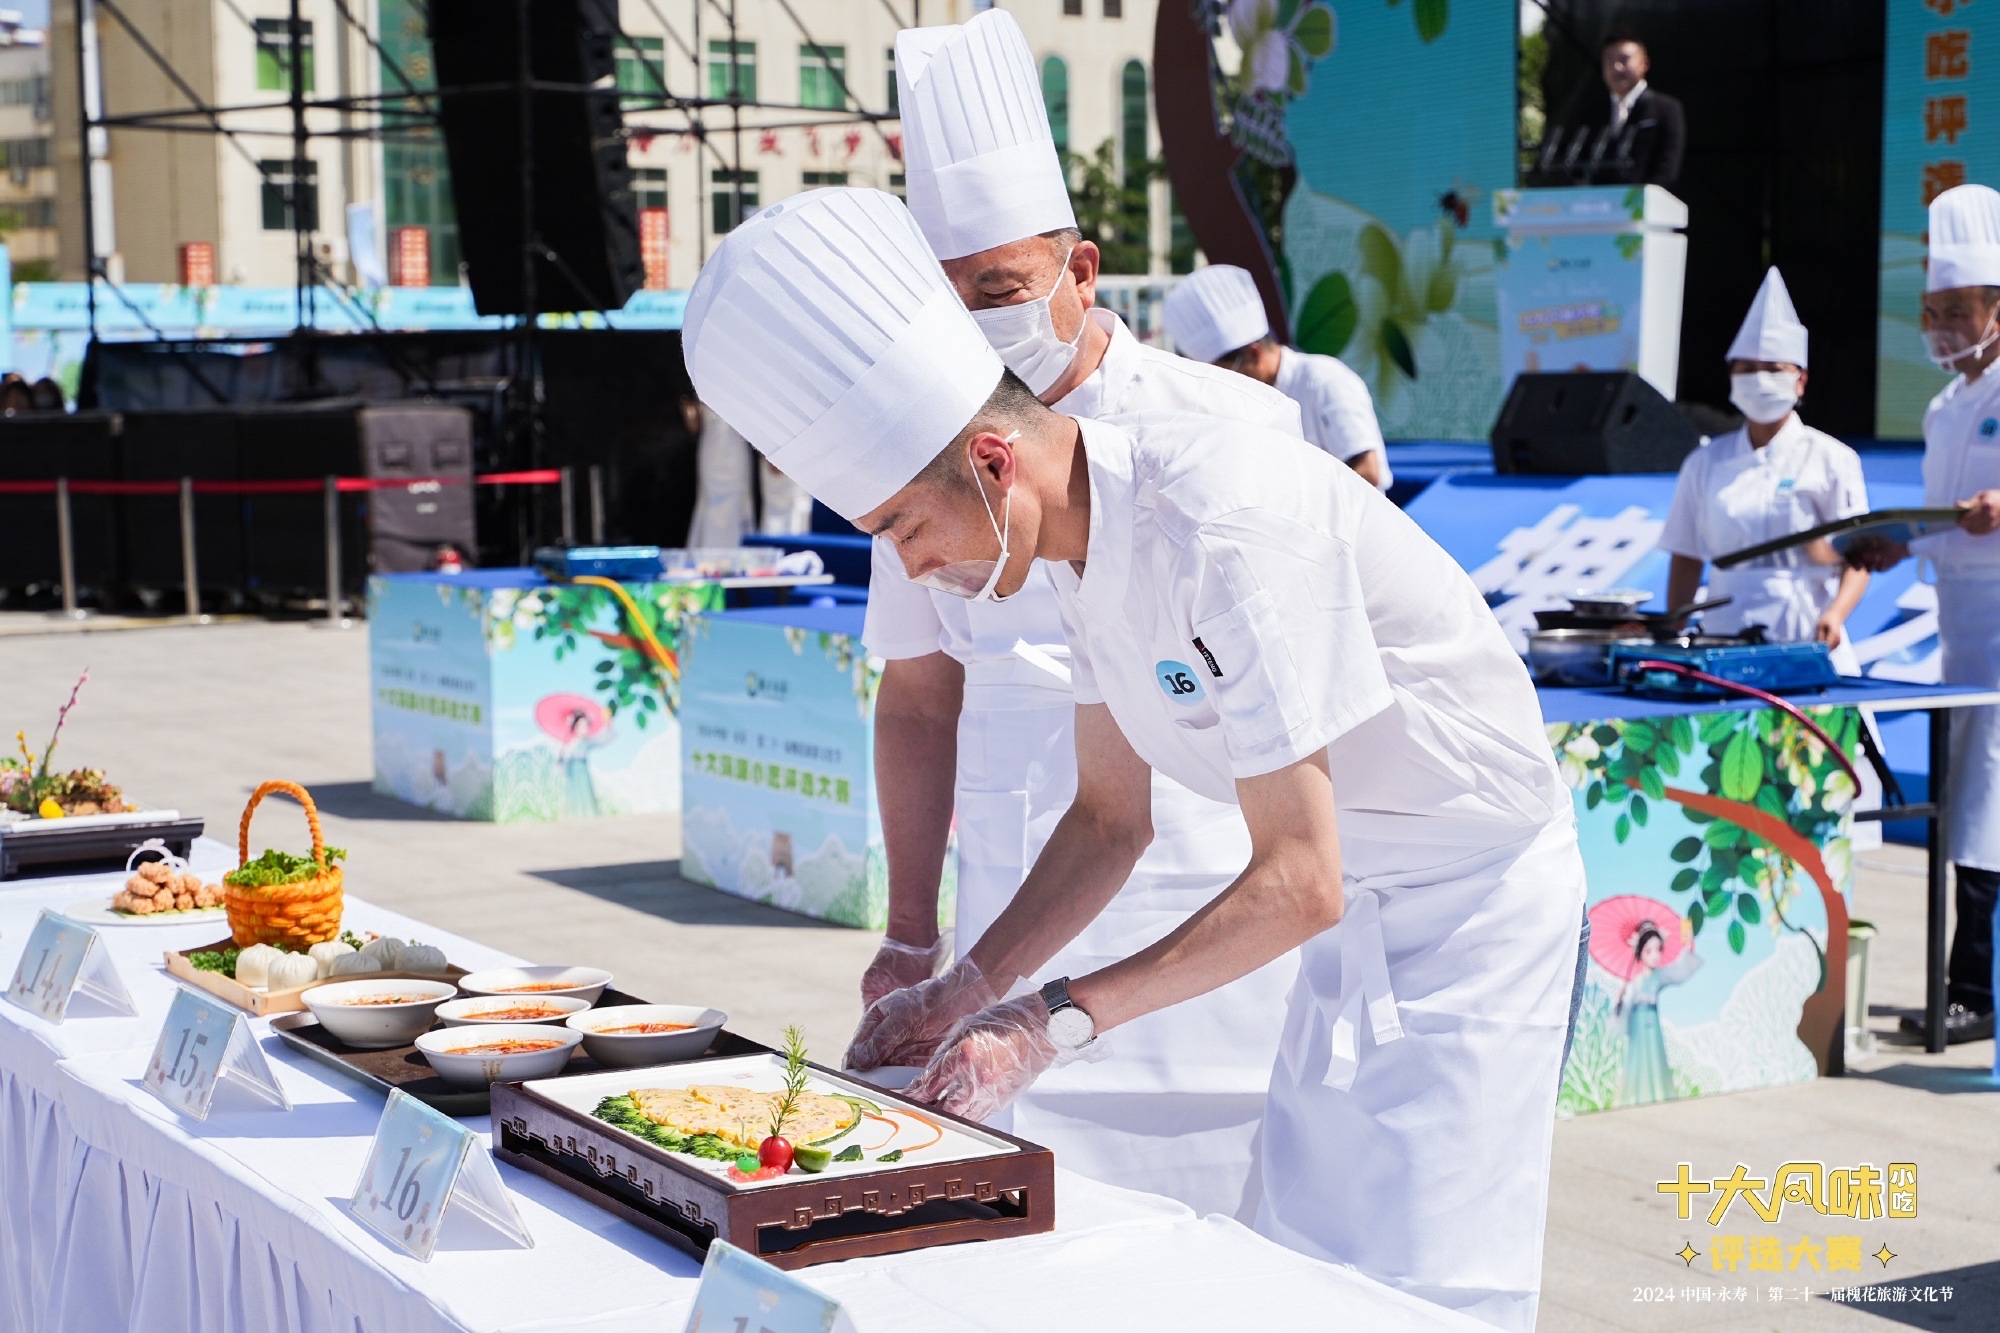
point(204, 1044)
point(421, 1164)
point(62, 961)
point(740, 1293)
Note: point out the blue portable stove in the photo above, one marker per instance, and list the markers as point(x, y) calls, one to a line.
point(1778, 668)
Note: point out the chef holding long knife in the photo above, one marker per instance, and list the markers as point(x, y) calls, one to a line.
point(1279, 636)
point(1962, 468)
point(975, 706)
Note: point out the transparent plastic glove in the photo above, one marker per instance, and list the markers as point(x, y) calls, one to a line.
point(989, 1059)
point(898, 965)
point(905, 1026)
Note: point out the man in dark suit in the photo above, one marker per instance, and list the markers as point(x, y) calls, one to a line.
point(1625, 134)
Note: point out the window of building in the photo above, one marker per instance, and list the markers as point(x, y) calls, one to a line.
point(823, 77)
point(816, 179)
point(1114, 9)
point(1073, 8)
point(898, 186)
point(274, 55)
point(27, 213)
point(895, 98)
point(22, 154)
point(1055, 96)
point(1132, 117)
point(416, 178)
point(31, 91)
point(649, 187)
point(278, 190)
point(723, 211)
point(732, 70)
point(642, 72)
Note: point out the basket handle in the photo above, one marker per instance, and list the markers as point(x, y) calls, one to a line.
point(297, 793)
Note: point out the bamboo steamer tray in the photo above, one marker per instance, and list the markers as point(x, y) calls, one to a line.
point(265, 1002)
point(297, 915)
point(796, 1221)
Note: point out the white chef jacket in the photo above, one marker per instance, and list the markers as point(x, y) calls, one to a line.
point(1731, 495)
point(1961, 457)
point(1338, 410)
point(1236, 620)
point(906, 619)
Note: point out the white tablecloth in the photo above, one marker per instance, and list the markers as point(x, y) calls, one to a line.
point(116, 1213)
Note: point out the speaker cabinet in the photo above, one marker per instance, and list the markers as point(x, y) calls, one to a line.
point(408, 524)
point(584, 210)
point(1583, 422)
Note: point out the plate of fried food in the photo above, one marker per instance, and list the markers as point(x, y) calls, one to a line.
point(162, 892)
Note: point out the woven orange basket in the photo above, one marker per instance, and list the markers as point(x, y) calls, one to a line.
point(297, 915)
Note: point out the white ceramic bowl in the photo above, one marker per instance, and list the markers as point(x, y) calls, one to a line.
point(581, 983)
point(626, 1049)
point(476, 1008)
point(341, 1009)
point(446, 1049)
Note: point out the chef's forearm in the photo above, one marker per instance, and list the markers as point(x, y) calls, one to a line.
point(1683, 580)
point(1290, 892)
point(916, 765)
point(1853, 585)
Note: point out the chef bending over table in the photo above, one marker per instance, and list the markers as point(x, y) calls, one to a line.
point(974, 708)
point(1276, 635)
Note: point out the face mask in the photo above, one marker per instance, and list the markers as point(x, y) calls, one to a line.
point(975, 580)
point(1947, 347)
point(1766, 396)
point(1025, 337)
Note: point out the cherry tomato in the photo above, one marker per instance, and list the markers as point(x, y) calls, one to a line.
point(775, 1151)
point(737, 1173)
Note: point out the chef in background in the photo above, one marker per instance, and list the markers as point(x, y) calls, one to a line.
point(1251, 617)
point(1961, 326)
point(1771, 477)
point(1215, 314)
point(975, 707)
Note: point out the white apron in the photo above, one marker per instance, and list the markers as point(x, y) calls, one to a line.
point(1969, 631)
point(1174, 1106)
point(1786, 602)
point(1412, 1108)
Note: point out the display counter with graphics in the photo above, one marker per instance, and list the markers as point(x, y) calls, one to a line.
point(501, 696)
point(777, 736)
point(1590, 278)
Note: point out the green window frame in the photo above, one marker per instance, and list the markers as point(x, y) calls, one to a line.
point(642, 69)
point(722, 199)
point(1055, 96)
point(274, 54)
point(732, 71)
point(275, 193)
point(822, 77)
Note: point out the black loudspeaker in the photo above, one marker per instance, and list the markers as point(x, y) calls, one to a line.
point(1576, 423)
point(407, 525)
point(584, 209)
point(41, 447)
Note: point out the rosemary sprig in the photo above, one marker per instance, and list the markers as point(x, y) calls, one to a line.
point(796, 1074)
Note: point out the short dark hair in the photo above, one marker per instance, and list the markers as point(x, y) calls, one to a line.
point(1618, 37)
point(1011, 406)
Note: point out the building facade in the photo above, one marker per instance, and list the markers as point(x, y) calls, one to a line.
point(799, 71)
point(28, 186)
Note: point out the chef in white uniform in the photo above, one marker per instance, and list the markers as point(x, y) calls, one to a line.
point(1962, 468)
point(1770, 478)
point(1176, 1108)
point(1216, 314)
point(1279, 636)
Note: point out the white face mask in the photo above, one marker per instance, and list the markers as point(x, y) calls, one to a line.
point(1766, 396)
point(975, 580)
point(1947, 347)
point(1025, 337)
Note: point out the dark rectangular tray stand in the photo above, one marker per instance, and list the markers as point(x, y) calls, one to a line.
point(813, 1221)
point(84, 848)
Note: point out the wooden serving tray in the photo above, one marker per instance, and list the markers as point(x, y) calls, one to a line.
point(792, 1223)
point(265, 1003)
point(404, 1067)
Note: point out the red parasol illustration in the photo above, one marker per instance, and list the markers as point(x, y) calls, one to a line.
point(1615, 924)
point(570, 717)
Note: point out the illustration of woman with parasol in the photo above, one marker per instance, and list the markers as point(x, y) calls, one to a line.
point(1648, 946)
point(575, 724)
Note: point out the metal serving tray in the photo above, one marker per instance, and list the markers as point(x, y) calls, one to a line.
point(984, 1185)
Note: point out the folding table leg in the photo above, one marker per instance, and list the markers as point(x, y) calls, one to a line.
point(1934, 936)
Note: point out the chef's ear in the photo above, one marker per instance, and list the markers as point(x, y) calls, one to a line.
point(992, 454)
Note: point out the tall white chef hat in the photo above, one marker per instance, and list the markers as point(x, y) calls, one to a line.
point(1965, 239)
point(1215, 310)
point(824, 330)
point(979, 162)
point(1771, 331)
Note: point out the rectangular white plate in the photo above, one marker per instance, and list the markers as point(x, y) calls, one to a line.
point(766, 1073)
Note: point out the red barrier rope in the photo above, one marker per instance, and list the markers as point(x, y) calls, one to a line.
point(298, 486)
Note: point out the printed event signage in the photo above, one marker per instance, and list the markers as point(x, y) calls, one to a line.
point(423, 1162)
point(740, 1293)
point(203, 1043)
point(64, 959)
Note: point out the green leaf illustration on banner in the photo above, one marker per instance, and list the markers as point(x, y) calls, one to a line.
point(1747, 908)
point(1326, 322)
point(1623, 828)
point(1432, 16)
point(1398, 348)
point(1742, 767)
point(1685, 879)
point(1314, 32)
point(1381, 261)
point(1687, 849)
point(1736, 937)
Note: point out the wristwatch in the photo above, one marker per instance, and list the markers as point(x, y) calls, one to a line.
point(1069, 1027)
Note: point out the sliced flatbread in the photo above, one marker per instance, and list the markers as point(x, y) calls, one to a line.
point(740, 1116)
